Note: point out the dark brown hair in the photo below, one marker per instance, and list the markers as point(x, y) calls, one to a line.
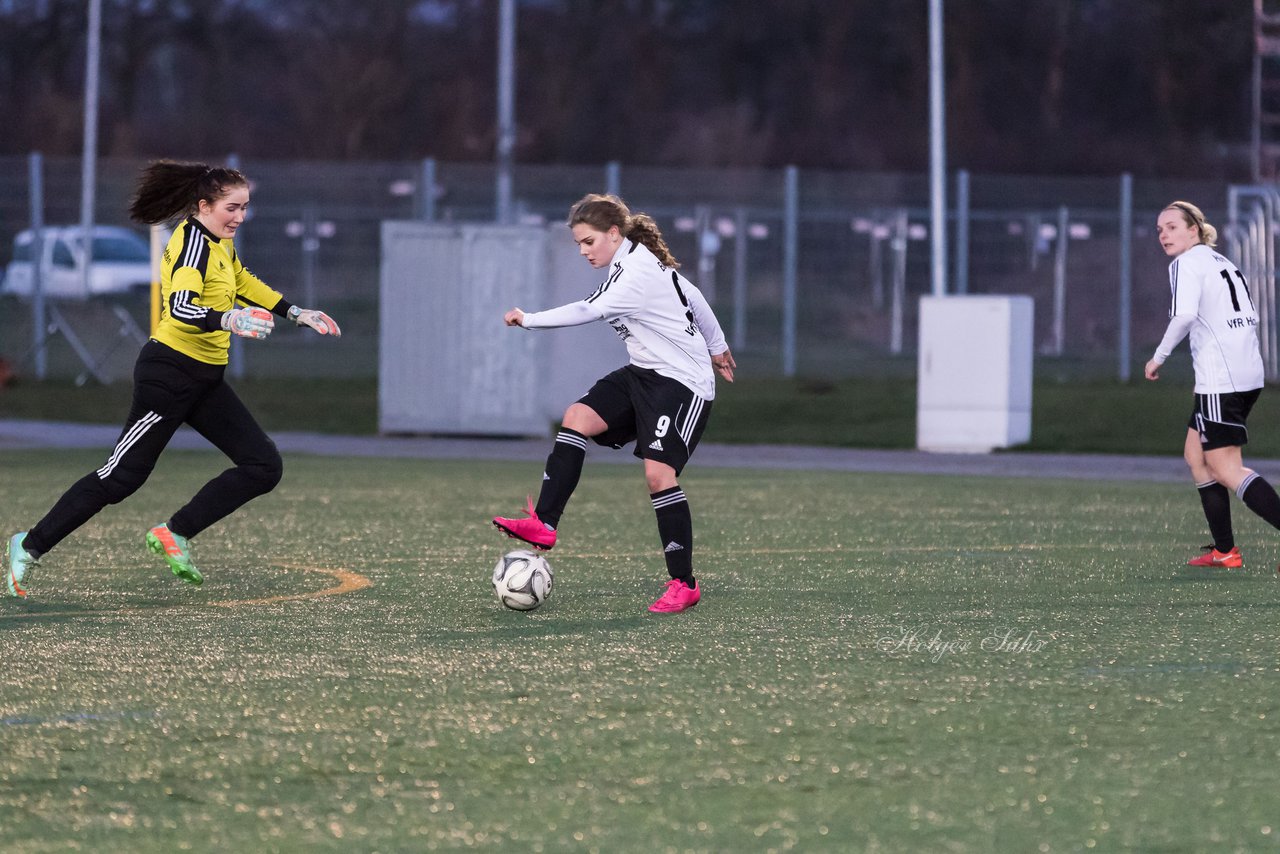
point(602, 211)
point(169, 189)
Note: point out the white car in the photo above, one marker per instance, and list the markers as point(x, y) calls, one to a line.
point(121, 263)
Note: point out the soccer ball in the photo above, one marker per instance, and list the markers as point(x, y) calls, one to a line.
point(522, 580)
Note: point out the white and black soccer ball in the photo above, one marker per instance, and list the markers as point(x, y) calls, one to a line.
point(522, 580)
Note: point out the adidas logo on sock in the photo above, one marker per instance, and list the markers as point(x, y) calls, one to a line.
point(673, 546)
point(546, 476)
point(655, 445)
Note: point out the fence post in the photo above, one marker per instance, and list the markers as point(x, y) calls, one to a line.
point(1060, 284)
point(879, 233)
point(898, 242)
point(740, 280)
point(427, 190)
point(1126, 272)
point(790, 258)
point(236, 353)
point(310, 245)
point(156, 238)
point(962, 232)
point(613, 178)
point(39, 324)
point(708, 248)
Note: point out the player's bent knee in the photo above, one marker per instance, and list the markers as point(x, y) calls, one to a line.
point(659, 476)
point(1230, 476)
point(581, 418)
point(265, 473)
point(657, 484)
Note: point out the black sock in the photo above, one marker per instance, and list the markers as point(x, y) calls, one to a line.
point(1216, 500)
point(560, 477)
point(35, 554)
point(1260, 497)
point(675, 528)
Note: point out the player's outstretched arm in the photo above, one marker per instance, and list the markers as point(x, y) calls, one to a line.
point(316, 319)
point(573, 314)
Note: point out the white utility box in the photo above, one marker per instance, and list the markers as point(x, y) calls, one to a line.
point(974, 373)
point(448, 365)
point(446, 362)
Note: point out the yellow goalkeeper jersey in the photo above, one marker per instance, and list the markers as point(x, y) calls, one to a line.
point(201, 278)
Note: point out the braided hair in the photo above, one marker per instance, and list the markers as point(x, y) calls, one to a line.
point(603, 211)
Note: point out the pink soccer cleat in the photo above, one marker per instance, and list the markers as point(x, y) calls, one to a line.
point(678, 597)
point(1213, 557)
point(531, 529)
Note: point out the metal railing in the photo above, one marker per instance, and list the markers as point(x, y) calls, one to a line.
point(812, 273)
point(1250, 232)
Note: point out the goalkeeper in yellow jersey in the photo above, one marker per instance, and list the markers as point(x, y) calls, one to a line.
point(207, 296)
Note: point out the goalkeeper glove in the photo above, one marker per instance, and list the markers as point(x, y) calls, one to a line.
point(248, 322)
point(316, 319)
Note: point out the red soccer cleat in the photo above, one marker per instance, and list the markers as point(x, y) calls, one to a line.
point(1213, 557)
point(678, 597)
point(531, 529)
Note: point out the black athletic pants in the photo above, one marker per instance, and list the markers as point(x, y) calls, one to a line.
point(170, 389)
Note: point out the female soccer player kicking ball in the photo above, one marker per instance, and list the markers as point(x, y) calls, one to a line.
point(178, 377)
point(661, 400)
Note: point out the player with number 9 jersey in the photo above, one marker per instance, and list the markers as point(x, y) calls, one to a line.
point(661, 400)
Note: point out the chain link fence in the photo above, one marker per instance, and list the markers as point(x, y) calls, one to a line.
point(861, 253)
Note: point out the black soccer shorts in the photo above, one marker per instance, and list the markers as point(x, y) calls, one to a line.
point(1220, 418)
point(661, 415)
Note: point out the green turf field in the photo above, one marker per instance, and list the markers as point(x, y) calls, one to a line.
point(878, 664)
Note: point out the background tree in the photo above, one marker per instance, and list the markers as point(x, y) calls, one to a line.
point(1034, 86)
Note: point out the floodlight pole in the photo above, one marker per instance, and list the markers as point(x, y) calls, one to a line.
point(937, 153)
point(89, 163)
point(506, 107)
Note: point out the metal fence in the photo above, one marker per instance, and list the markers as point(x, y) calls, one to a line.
point(831, 292)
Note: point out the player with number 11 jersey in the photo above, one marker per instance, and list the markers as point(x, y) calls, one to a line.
point(1212, 302)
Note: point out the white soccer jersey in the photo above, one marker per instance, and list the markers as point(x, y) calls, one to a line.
point(1211, 300)
point(663, 318)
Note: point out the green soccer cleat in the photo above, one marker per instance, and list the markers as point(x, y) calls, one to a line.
point(19, 567)
point(176, 551)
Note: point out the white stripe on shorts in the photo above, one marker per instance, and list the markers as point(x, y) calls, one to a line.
point(691, 420)
point(1213, 407)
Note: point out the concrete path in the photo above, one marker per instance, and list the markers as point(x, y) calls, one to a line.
point(27, 434)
